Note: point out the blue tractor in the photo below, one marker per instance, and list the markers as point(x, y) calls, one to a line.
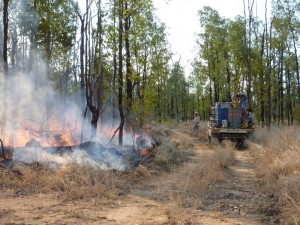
point(228, 121)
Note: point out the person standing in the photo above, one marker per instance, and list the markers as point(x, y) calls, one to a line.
point(251, 118)
point(196, 123)
point(243, 100)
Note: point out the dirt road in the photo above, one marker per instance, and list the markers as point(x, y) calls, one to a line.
point(232, 201)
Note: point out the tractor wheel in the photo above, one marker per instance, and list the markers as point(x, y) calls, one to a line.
point(239, 144)
point(220, 139)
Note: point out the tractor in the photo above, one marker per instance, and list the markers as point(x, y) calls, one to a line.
point(228, 121)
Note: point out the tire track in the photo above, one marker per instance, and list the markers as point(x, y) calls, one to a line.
point(238, 196)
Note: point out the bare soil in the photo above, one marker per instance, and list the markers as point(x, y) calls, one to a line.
point(236, 200)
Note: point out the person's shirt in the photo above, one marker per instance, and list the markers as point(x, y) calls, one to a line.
point(252, 117)
point(197, 120)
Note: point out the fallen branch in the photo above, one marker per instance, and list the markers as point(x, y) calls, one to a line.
point(292, 201)
point(113, 135)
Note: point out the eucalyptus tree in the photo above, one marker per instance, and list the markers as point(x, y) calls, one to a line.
point(5, 36)
point(120, 71)
point(201, 88)
point(5, 64)
point(248, 43)
point(212, 49)
point(178, 89)
point(285, 41)
point(148, 42)
point(159, 56)
point(259, 70)
point(290, 10)
point(56, 29)
point(237, 52)
point(134, 40)
point(97, 73)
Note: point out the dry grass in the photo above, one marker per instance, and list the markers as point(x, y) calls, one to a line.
point(191, 180)
point(172, 147)
point(186, 181)
point(190, 184)
point(70, 183)
point(225, 154)
point(279, 168)
point(188, 178)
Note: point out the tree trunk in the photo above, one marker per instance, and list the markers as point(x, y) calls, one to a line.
point(120, 73)
point(262, 81)
point(5, 36)
point(269, 82)
point(81, 54)
point(95, 88)
point(281, 95)
point(129, 86)
point(94, 122)
point(288, 89)
point(114, 116)
point(297, 63)
point(5, 66)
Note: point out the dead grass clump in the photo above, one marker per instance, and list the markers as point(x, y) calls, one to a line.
point(280, 155)
point(225, 154)
point(172, 147)
point(29, 178)
point(289, 198)
point(195, 178)
point(159, 132)
point(170, 153)
point(81, 181)
point(189, 187)
point(75, 181)
point(279, 169)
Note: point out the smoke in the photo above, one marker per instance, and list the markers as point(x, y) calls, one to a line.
point(93, 154)
point(34, 108)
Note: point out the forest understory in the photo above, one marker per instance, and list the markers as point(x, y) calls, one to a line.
point(185, 181)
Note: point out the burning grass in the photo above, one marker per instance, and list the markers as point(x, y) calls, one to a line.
point(279, 168)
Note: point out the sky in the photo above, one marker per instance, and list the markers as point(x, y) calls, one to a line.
point(182, 21)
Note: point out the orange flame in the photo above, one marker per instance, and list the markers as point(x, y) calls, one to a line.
point(145, 152)
point(54, 133)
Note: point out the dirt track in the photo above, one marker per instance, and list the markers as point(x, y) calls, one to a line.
point(233, 201)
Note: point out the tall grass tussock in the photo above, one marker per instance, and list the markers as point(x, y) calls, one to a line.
point(279, 168)
point(72, 182)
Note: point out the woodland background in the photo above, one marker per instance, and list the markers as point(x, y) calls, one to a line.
point(114, 56)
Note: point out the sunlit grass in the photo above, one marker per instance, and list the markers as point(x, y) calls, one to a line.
point(278, 157)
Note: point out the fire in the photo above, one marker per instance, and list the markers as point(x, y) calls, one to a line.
point(6, 156)
point(145, 152)
point(62, 140)
point(53, 133)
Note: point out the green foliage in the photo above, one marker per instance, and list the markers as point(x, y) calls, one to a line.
point(246, 54)
point(297, 114)
point(231, 55)
point(57, 27)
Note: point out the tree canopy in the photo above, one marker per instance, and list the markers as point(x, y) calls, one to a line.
point(113, 59)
